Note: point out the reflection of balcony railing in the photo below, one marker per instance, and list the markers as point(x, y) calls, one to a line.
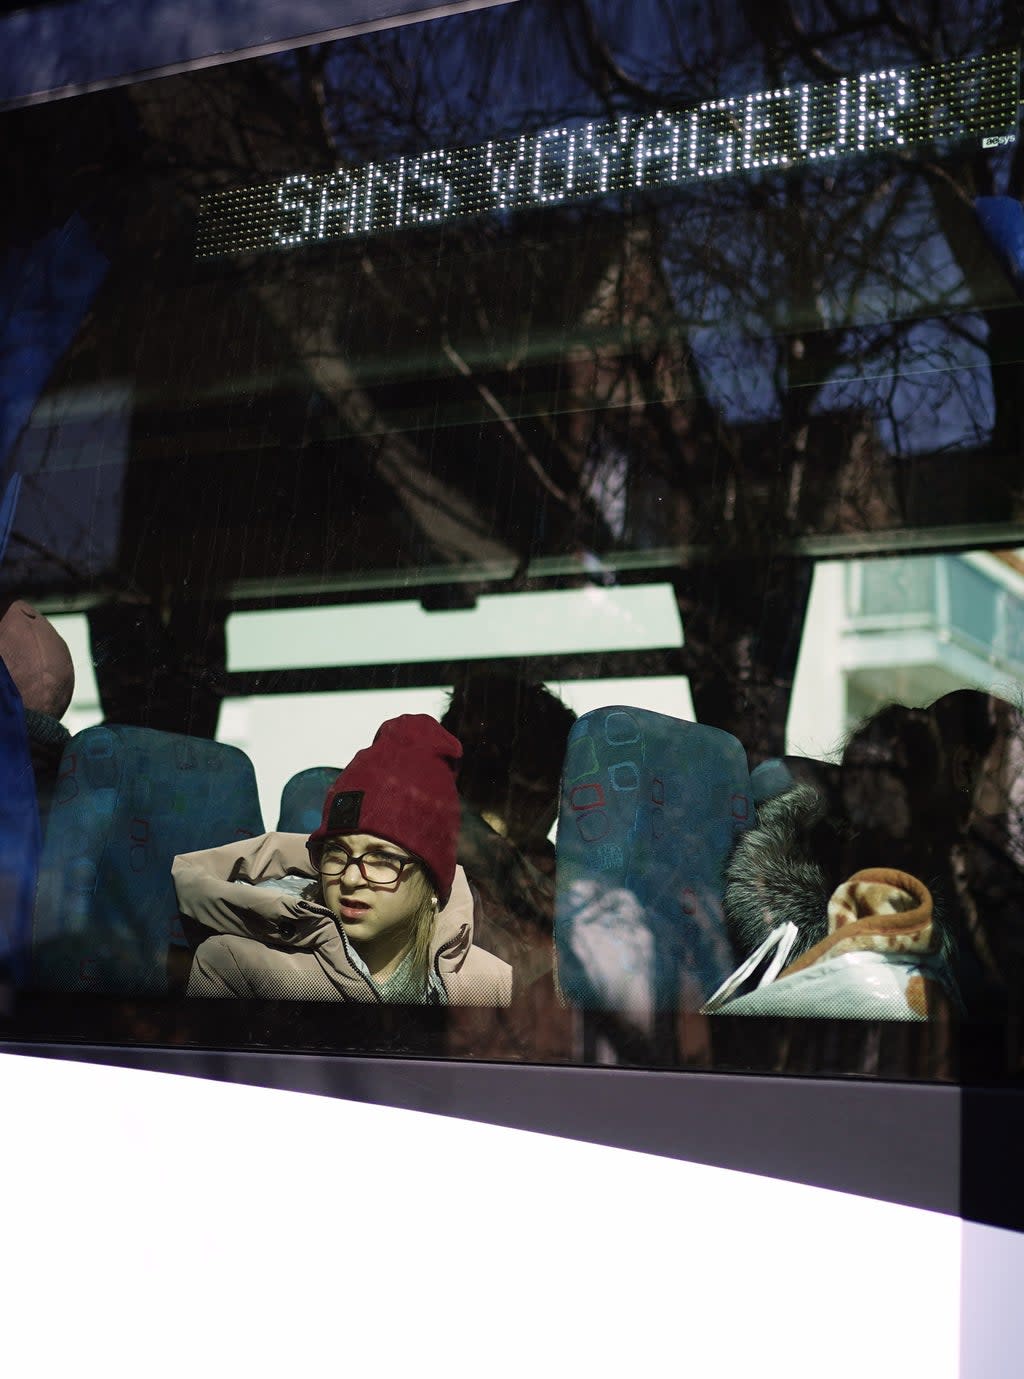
point(955, 600)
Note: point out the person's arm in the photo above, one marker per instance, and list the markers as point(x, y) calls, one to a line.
point(221, 889)
point(215, 972)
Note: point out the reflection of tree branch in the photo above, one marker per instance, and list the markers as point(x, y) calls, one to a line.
point(915, 37)
point(870, 250)
point(767, 20)
point(570, 500)
point(937, 173)
point(1015, 175)
point(961, 331)
point(607, 71)
point(38, 548)
point(414, 483)
point(311, 64)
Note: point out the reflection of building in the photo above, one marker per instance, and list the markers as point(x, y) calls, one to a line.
point(904, 629)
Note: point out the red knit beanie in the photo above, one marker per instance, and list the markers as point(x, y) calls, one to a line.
point(401, 788)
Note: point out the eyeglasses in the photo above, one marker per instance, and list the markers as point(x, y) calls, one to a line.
point(376, 868)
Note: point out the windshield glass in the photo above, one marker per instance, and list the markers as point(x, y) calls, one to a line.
point(636, 388)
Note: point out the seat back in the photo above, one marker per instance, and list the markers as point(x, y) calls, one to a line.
point(19, 834)
point(650, 809)
point(776, 775)
point(302, 799)
point(770, 778)
point(127, 801)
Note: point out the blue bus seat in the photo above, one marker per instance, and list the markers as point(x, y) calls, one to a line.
point(772, 777)
point(127, 801)
point(650, 809)
point(19, 834)
point(775, 775)
point(302, 799)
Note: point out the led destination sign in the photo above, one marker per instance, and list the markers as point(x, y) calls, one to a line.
point(787, 127)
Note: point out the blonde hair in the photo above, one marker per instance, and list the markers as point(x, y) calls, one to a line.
point(422, 934)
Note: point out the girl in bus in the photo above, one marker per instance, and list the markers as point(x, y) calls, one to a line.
point(371, 907)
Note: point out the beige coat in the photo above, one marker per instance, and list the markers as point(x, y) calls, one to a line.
point(273, 944)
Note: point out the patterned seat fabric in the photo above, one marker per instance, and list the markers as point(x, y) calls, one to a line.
point(650, 809)
point(302, 799)
point(19, 834)
point(127, 801)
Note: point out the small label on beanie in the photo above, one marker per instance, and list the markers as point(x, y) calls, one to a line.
point(345, 810)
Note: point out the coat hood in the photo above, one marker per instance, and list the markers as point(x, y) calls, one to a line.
point(779, 872)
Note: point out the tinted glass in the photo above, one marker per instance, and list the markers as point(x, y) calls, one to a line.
point(665, 355)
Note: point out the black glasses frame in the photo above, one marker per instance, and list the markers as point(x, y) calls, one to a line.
point(360, 862)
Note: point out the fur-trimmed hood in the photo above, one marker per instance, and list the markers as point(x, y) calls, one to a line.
point(867, 947)
point(792, 865)
point(779, 872)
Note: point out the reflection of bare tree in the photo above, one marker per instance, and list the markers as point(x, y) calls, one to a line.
point(716, 375)
point(845, 327)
